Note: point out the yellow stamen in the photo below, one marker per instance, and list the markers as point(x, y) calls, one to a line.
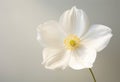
point(71, 42)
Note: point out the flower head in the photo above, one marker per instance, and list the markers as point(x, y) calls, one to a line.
point(70, 41)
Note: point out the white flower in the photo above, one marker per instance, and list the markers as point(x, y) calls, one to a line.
point(69, 42)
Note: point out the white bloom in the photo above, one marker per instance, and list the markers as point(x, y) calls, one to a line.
point(70, 42)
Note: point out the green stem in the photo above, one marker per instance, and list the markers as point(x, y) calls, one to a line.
point(92, 74)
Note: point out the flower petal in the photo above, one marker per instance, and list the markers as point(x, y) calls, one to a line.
point(50, 34)
point(55, 58)
point(74, 21)
point(82, 58)
point(97, 37)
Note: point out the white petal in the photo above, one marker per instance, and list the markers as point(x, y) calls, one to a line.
point(82, 58)
point(74, 21)
point(97, 37)
point(55, 58)
point(50, 34)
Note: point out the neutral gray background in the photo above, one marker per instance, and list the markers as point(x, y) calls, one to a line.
point(20, 52)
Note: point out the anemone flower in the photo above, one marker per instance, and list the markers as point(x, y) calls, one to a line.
point(71, 41)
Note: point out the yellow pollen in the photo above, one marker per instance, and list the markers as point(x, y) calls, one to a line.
point(71, 42)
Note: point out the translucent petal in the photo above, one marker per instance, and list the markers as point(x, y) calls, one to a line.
point(74, 21)
point(50, 34)
point(97, 37)
point(55, 58)
point(82, 58)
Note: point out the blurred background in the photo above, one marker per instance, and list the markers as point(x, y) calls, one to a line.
point(20, 52)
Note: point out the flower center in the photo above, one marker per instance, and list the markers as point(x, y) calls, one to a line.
point(71, 42)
